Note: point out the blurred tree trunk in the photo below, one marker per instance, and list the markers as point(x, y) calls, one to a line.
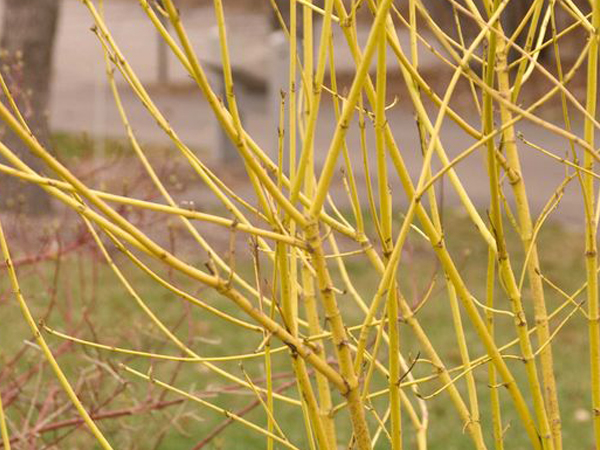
point(26, 44)
point(511, 19)
point(284, 10)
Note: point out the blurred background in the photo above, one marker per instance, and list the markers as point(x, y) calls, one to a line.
point(70, 87)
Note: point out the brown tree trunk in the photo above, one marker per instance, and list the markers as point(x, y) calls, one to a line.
point(511, 19)
point(284, 10)
point(26, 45)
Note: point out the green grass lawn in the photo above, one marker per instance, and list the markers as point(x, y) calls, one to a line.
point(91, 303)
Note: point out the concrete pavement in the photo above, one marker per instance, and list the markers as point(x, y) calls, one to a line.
point(81, 101)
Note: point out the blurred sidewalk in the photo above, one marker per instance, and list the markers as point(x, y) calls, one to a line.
point(82, 102)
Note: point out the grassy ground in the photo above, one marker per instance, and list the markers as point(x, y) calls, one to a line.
point(90, 302)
